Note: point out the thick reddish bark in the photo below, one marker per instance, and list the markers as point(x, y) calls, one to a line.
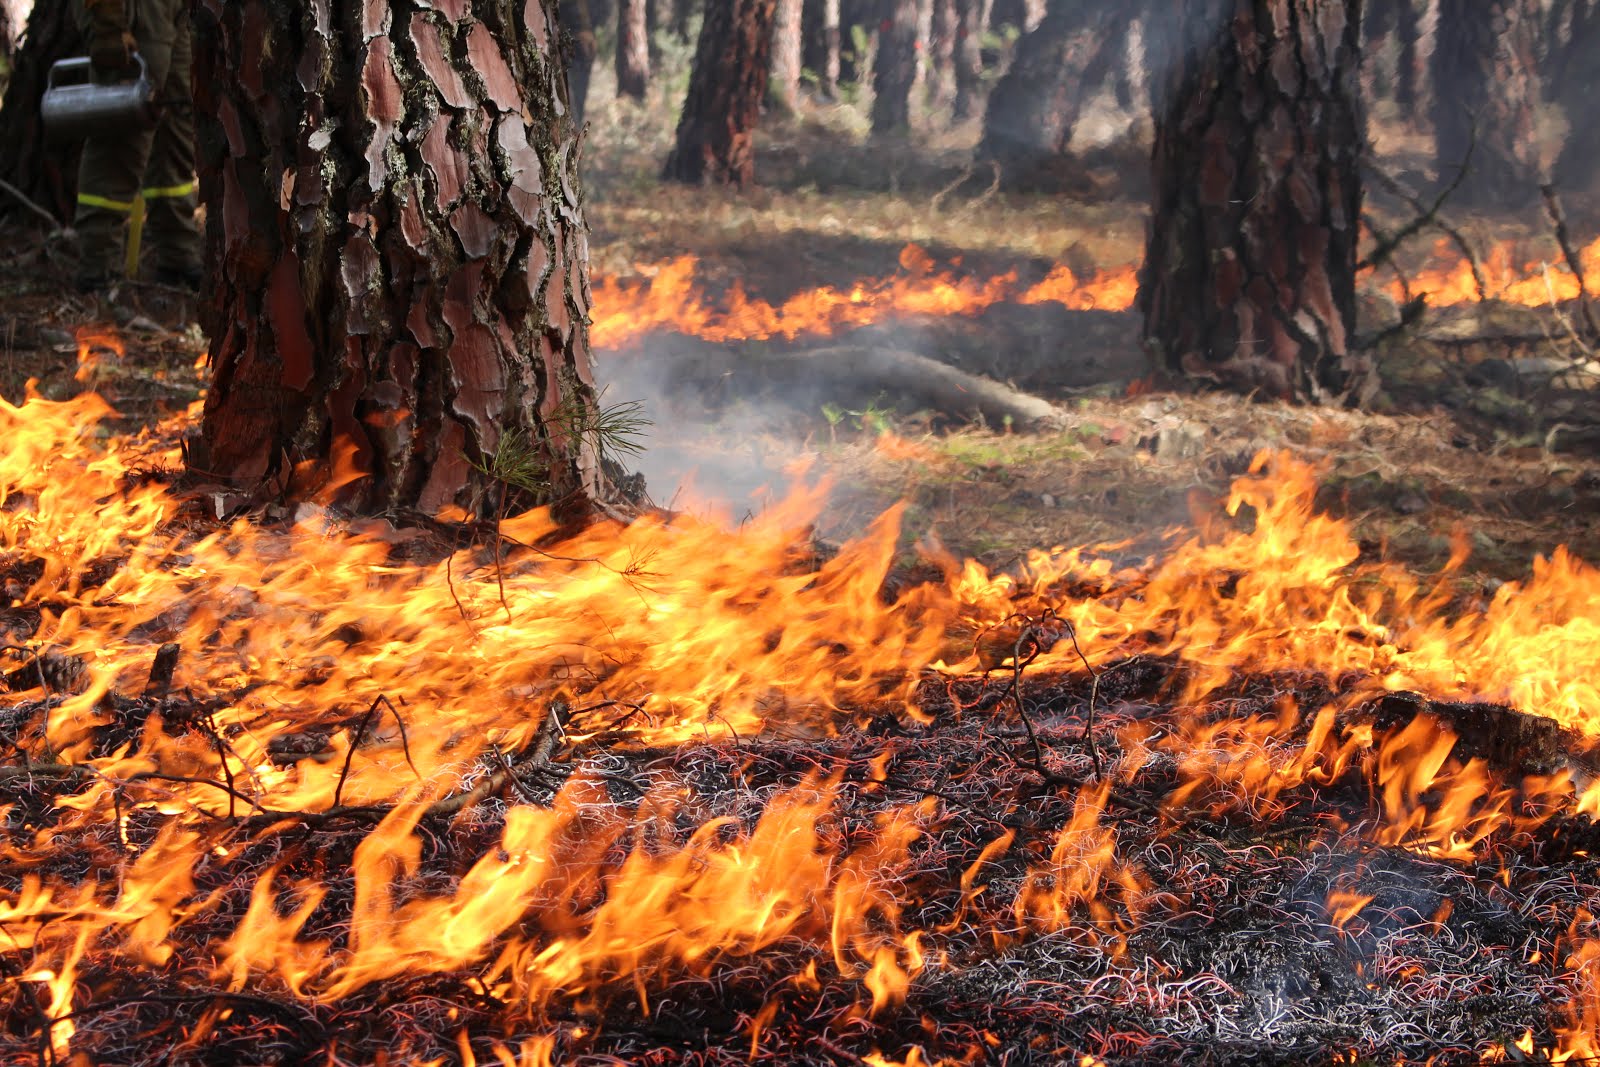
point(1249, 274)
point(396, 235)
point(1056, 69)
point(715, 131)
point(783, 88)
point(1487, 89)
point(633, 49)
point(894, 72)
point(47, 172)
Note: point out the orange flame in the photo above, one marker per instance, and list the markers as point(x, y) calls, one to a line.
point(334, 668)
point(669, 299)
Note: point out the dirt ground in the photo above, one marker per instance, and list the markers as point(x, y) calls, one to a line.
point(1449, 449)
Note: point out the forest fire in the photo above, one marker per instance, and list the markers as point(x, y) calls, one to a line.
point(668, 297)
point(531, 802)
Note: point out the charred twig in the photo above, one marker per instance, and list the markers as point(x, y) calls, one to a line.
point(300, 1019)
point(1428, 216)
point(1558, 219)
point(1094, 694)
point(28, 202)
point(1029, 637)
point(1425, 216)
point(361, 730)
point(162, 669)
point(544, 746)
point(222, 755)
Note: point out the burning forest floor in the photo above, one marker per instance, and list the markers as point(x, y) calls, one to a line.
point(1296, 765)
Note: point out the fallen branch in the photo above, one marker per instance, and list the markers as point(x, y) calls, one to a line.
point(1426, 216)
point(538, 754)
point(27, 202)
point(1558, 219)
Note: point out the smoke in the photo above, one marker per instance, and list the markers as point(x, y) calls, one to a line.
point(714, 445)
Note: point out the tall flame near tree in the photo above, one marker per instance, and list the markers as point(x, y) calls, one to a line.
point(396, 234)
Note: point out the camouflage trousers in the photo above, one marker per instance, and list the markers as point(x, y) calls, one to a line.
point(148, 171)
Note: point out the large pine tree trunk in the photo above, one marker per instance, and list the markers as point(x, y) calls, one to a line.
point(396, 237)
point(894, 73)
point(715, 140)
point(1035, 107)
point(1486, 86)
point(633, 49)
point(46, 172)
point(784, 87)
point(1249, 274)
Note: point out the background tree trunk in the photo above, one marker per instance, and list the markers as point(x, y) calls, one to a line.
point(396, 237)
point(969, 56)
point(783, 89)
point(858, 35)
point(46, 172)
point(1486, 90)
point(714, 143)
point(1055, 71)
point(1577, 88)
point(894, 73)
point(1249, 274)
point(820, 23)
point(942, 57)
point(1418, 32)
point(633, 49)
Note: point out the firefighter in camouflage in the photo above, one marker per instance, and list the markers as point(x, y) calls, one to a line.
point(140, 174)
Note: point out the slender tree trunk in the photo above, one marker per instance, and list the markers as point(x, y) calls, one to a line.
point(1418, 32)
point(1577, 90)
point(783, 89)
point(858, 35)
point(820, 21)
point(942, 57)
point(395, 230)
point(1249, 273)
point(895, 71)
point(969, 56)
point(682, 12)
point(1035, 107)
point(1380, 26)
point(47, 172)
point(633, 49)
point(1487, 89)
point(715, 141)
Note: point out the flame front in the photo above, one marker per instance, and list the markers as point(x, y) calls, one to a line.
point(668, 296)
point(334, 680)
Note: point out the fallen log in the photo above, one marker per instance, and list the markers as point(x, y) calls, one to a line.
point(848, 376)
